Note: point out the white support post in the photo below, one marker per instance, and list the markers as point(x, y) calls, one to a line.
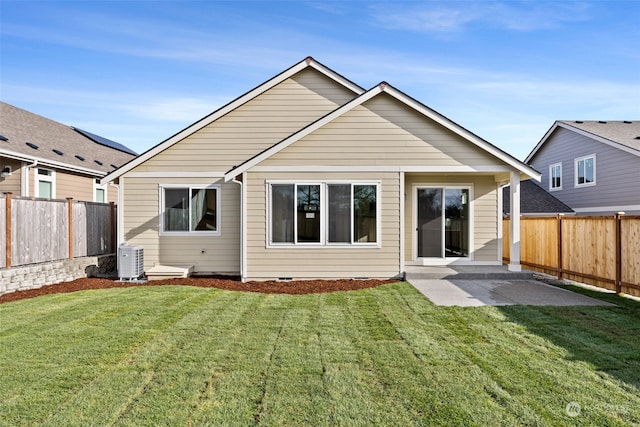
point(514, 223)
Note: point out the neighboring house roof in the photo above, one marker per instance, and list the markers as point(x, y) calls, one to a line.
point(624, 135)
point(534, 200)
point(307, 62)
point(104, 141)
point(406, 100)
point(29, 137)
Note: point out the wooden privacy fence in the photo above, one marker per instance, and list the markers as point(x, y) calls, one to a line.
point(38, 230)
point(603, 251)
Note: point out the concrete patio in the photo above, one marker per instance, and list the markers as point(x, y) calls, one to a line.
point(474, 286)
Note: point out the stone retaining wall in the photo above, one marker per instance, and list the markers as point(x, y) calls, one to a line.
point(49, 273)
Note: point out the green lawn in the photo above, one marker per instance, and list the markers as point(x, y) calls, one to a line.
point(179, 356)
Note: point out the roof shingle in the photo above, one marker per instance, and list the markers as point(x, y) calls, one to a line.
point(51, 138)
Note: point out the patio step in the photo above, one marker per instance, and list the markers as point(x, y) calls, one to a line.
point(161, 272)
point(465, 272)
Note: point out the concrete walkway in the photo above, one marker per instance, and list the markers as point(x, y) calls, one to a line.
point(492, 286)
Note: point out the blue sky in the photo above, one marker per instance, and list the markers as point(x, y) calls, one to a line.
point(138, 72)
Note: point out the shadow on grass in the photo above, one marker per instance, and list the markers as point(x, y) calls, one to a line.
point(607, 338)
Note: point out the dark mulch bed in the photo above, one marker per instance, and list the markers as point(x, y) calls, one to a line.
point(297, 287)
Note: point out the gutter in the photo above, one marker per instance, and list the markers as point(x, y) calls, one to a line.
point(243, 275)
point(25, 178)
point(120, 230)
point(51, 163)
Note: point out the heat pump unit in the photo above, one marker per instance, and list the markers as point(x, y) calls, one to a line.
point(130, 262)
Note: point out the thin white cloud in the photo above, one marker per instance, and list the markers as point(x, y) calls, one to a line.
point(454, 16)
point(175, 109)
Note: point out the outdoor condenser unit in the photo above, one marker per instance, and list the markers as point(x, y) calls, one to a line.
point(130, 262)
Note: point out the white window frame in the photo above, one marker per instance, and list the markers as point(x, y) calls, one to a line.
point(575, 172)
point(96, 187)
point(443, 259)
point(190, 187)
point(324, 216)
point(44, 178)
point(551, 168)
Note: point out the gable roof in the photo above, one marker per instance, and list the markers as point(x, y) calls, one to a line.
point(27, 136)
point(242, 99)
point(534, 200)
point(403, 98)
point(624, 135)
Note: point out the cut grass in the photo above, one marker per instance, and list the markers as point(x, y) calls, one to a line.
point(175, 355)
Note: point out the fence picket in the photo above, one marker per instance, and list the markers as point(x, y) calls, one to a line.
point(588, 249)
point(40, 230)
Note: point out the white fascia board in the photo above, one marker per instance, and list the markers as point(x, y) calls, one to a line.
point(51, 163)
point(307, 62)
point(377, 168)
point(599, 139)
point(384, 87)
point(302, 133)
point(174, 174)
point(582, 132)
point(469, 136)
point(335, 76)
point(541, 142)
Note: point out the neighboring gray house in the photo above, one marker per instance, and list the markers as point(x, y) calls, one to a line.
point(534, 201)
point(592, 166)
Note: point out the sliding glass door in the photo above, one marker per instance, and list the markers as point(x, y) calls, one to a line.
point(442, 222)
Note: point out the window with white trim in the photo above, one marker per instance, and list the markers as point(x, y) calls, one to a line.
point(328, 213)
point(585, 171)
point(189, 210)
point(99, 192)
point(555, 177)
point(45, 183)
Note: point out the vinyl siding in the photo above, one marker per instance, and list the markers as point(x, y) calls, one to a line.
point(617, 172)
point(67, 184)
point(230, 140)
point(382, 132)
point(485, 212)
point(325, 261)
point(254, 126)
point(76, 186)
point(141, 225)
point(11, 184)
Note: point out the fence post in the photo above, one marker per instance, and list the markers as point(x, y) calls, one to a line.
point(113, 226)
point(7, 230)
point(619, 253)
point(70, 210)
point(560, 216)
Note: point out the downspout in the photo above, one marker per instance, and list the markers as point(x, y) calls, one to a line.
point(242, 228)
point(118, 221)
point(25, 181)
point(119, 226)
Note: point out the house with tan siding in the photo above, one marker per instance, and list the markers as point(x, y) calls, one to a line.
point(42, 158)
point(308, 176)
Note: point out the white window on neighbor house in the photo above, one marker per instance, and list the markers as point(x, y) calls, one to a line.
point(335, 213)
point(585, 171)
point(555, 177)
point(45, 183)
point(189, 210)
point(99, 192)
